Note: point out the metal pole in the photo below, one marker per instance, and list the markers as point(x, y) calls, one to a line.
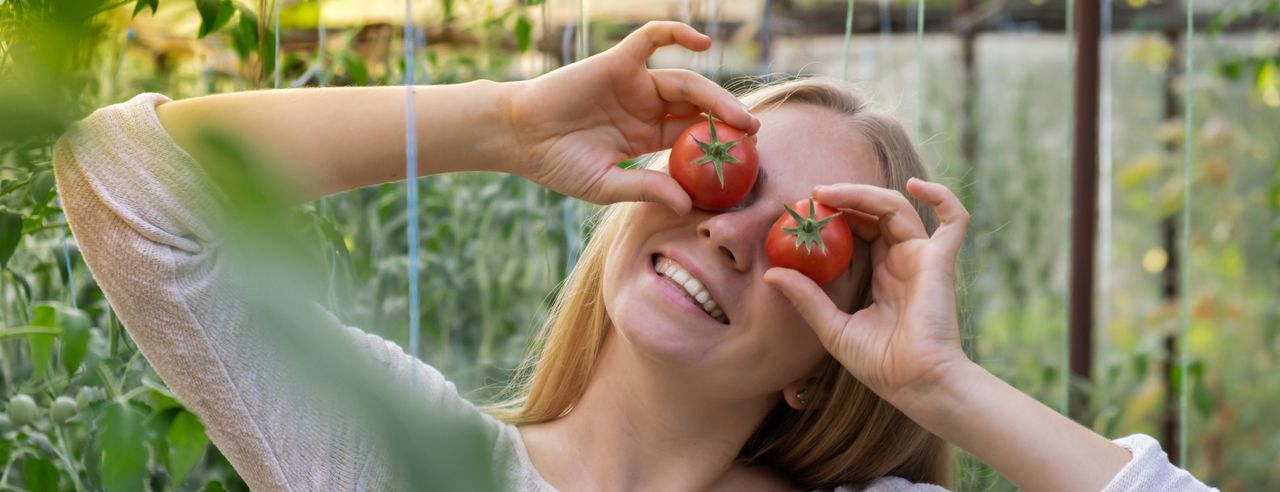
point(1084, 200)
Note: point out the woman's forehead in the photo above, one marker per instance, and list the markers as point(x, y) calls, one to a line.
point(803, 145)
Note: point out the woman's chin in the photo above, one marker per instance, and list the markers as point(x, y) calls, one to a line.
point(669, 343)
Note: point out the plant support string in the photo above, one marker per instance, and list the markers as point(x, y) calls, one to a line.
point(411, 176)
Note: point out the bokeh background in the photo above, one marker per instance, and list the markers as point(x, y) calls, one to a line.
point(996, 125)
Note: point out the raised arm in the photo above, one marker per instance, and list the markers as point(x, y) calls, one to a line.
point(564, 130)
point(906, 348)
point(146, 218)
point(334, 139)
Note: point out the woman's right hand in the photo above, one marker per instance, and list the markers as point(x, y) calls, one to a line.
point(573, 125)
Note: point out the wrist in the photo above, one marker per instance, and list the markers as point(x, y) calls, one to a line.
point(940, 400)
point(466, 127)
point(509, 157)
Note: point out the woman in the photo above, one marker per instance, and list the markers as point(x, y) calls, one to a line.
point(636, 388)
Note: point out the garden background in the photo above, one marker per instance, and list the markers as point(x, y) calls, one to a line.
point(494, 247)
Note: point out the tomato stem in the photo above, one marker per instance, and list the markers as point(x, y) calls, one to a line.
point(716, 152)
point(807, 230)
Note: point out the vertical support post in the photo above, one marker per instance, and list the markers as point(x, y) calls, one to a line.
point(1171, 289)
point(1084, 202)
point(765, 38)
point(966, 25)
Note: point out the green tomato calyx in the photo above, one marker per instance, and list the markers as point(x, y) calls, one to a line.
point(808, 231)
point(716, 152)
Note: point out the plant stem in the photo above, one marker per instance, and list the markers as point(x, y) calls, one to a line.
point(29, 330)
point(65, 454)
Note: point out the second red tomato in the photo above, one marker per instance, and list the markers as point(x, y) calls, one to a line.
point(813, 239)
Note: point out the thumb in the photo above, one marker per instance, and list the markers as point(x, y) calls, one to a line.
point(645, 185)
point(823, 316)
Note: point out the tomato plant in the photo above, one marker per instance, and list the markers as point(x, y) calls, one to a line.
point(733, 164)
point(818, 245)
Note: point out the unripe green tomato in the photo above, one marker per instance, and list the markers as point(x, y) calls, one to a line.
point(22, 410)
point(83, 397)
point(62, 409)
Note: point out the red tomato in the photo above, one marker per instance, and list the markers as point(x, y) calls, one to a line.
point(716, 168)
point(818, 244)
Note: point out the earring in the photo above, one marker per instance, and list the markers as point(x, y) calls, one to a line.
point(800, 395)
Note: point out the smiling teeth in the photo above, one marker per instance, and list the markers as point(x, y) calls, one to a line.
point(672, 270)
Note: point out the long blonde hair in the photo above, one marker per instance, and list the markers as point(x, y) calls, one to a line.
point(853, 438)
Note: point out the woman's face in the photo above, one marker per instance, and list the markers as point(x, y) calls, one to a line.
point(766, 344)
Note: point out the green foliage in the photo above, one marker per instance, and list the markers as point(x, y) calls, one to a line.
point(213, 15)
point(10, 234)
point(153, 4)
point(186, 441)
point(481, 299)
point(124, 455)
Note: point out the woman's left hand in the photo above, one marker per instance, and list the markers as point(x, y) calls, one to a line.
point(907, 341)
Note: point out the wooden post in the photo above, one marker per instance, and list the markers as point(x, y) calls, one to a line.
point(765, 38)
point(1169, 240)
point(966, 26)
point(1084, 202)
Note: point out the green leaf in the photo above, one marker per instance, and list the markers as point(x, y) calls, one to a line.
point(10, 234)
point(213, 15)
point(124, 457)
point(161, 398)
point(42, 345)
point(75, 338)
point(39, 475)
point(1268, 81)
point(41, 187)
point(356, 69)
point(187, 442)
point(213, 487)
point(245, 36)
point(524, 33)
point(154, 4)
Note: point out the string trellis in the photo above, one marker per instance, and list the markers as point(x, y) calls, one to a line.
point(1185, 266)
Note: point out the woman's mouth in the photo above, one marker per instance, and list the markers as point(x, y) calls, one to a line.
point(688, 287)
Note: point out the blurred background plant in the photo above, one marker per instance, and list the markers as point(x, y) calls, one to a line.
point(494, 247)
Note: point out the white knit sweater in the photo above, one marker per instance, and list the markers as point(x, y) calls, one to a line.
point(139, 208)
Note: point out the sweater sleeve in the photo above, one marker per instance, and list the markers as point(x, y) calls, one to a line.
point(143, 214)
point(1150, 469)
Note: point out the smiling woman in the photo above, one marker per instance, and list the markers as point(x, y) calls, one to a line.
point(675, 358)
point(619, 320)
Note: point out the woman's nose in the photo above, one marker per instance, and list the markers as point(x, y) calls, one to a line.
point(735, 236)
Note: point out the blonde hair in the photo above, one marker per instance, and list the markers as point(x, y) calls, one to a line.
point(853, 438)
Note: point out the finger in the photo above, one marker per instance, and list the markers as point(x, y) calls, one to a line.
point(644, 185)
point(898, 219)
point(863, 225)
point(811, 301)
point(685, 86)
point(642, 42)
point(953, 219)
point(823, 316)
point(879, 253)
point(673, 127)
point(681, 109)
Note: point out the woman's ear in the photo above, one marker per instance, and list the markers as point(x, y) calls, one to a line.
point(802, 394)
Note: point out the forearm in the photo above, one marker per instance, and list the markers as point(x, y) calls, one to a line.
point(1033, 446)
point(335, 139)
